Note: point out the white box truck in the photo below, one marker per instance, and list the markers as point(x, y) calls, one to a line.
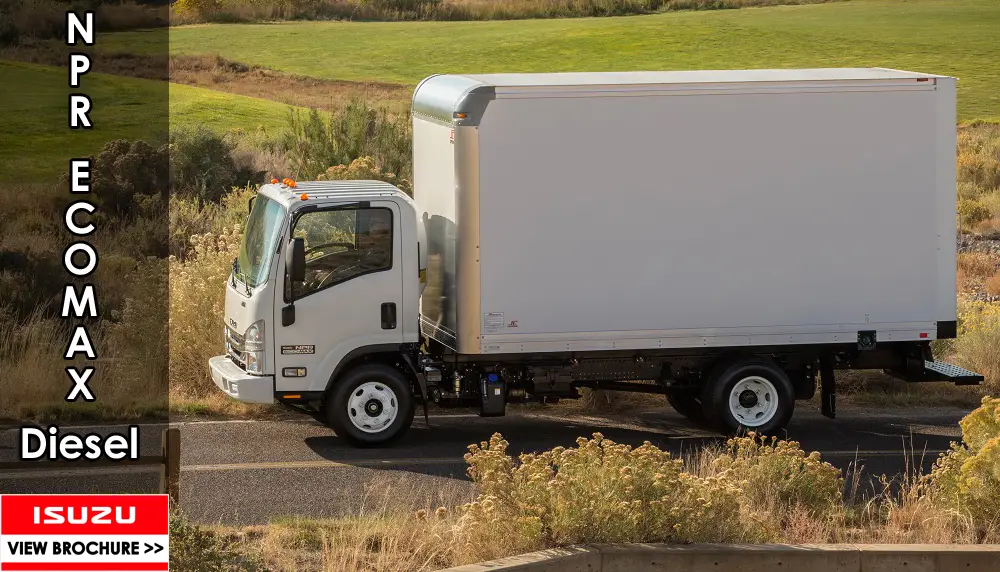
point(726, 238)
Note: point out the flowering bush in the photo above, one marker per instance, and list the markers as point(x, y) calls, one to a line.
point(363, 168)
point(599, 491)
point(772, 472)
point(978, 344)
point(978, 159)
point(197, 307)
point(966, 479)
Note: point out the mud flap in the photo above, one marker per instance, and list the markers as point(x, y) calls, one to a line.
point(422, 382)
point(828, 388)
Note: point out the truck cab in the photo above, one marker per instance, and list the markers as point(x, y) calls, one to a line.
point(327, 280)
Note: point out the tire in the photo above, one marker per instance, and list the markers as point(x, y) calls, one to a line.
point(750, 394)
point(370, 405)
point(687, 402)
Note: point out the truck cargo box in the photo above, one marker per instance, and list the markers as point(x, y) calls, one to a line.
point(609, 211)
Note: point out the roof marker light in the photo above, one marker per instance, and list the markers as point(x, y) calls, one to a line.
point(461, 115)
point(274, 181)
point(303, 197)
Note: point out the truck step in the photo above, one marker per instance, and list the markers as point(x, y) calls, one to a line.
point(940, 371)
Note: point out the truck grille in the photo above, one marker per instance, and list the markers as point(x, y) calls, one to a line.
point(234, 346)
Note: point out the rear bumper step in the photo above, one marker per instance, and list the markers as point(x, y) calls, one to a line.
point(939, 371)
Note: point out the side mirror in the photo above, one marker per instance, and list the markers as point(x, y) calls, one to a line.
point(295, 259)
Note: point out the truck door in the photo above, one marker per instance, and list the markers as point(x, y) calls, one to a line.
point(352, 295)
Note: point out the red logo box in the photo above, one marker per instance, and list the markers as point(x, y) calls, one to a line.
point(84, 532)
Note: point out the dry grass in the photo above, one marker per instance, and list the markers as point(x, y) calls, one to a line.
point(197, 304)
point(47, 18)
point(746, 490)
point(128, 337)
point(978, 345)
point(876, 388)
point(992, 284)
point(195, 11)
point(214, 72)
point(204, 240)
point(979, 157)
point(400, 525)
point(55, 53)
point(978, 265)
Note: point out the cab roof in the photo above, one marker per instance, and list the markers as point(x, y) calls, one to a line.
point(327, 190)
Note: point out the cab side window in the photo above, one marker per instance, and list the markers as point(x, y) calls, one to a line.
point(342, 244)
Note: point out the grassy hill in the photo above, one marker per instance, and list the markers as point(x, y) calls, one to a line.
point(954, 37)
point(40, 142)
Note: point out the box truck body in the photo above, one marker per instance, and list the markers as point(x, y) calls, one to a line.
point(686, 209)
point(728, 239)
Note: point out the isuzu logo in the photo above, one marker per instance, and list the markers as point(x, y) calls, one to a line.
point(81, 515)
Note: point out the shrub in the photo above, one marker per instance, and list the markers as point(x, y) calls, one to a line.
point(202, 165)
point(978, 339)
point(599, 491)
point(195, 549)
point(363, 168)
point(973, 212)
point(127, 172)
point(772, 472)
point(197, 306)
point(31, 281)
point(313, 144)
point(977, 264)
point(138, 335)
point(993, 285)
point(967, 478)
point(9, 35)
point(978, 160)
point(198, 8)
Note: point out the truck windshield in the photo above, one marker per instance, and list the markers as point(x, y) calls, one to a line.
point(259, 241)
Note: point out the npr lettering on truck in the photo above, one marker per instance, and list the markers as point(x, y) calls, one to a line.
point(729, 239)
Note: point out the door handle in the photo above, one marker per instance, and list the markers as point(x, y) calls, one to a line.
point(389, 316)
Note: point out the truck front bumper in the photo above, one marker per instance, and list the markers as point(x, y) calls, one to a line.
point(236, 383)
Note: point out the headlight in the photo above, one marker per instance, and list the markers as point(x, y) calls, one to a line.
point(253, 348)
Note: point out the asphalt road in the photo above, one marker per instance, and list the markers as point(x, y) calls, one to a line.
point(252, 471)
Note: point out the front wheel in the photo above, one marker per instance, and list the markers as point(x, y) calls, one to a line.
point(751, 394)
point(370, 405)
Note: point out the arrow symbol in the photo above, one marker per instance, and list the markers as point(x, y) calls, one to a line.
point(155, 548)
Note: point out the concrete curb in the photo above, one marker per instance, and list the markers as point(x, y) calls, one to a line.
point(751, 558)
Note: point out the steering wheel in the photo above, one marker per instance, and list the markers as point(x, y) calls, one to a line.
point(346, 245)
point(335, 272)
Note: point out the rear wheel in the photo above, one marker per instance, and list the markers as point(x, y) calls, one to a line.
point(371, 405)
point(750, 394)
point(687, 402)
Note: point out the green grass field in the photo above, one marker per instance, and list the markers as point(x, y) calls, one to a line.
point(39, 142)
point(953, 37)
point(224, 111)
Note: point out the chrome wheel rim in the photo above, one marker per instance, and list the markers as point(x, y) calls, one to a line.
point(753, 401)
point(372, 407)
